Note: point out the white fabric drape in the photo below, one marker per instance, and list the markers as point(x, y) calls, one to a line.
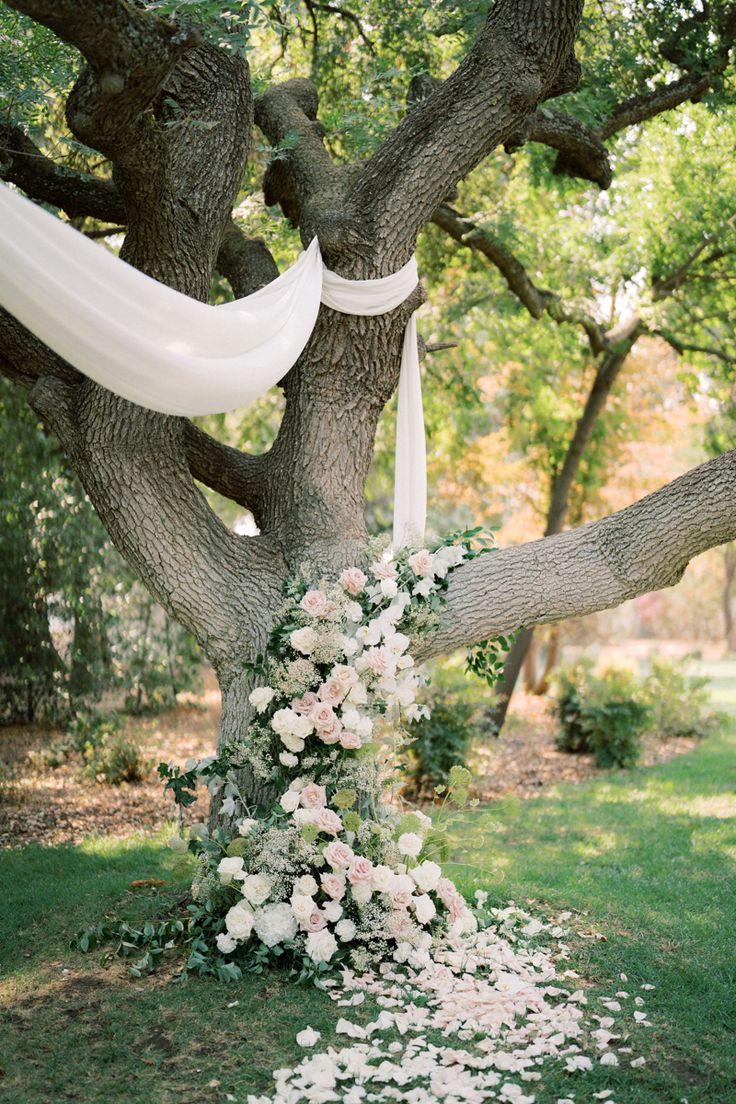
point(160, 349)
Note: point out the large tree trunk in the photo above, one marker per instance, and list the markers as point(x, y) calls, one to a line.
point(174, 117)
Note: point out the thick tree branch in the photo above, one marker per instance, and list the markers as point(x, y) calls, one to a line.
point(231, 473)
point(523, 55)
point(580, 150)
point(130, 54)
point(246, 263)
point(645, 547)
point(301, 167)
point(77, 194)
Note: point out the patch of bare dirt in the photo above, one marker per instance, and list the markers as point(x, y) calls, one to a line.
point(52, 806)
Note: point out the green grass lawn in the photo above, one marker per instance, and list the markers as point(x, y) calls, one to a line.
point(647, 855)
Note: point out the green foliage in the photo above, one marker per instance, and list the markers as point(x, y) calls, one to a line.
point(116, 759)
point(459, 716)
point(679, 703)
point(75, 620)
point(603, 714)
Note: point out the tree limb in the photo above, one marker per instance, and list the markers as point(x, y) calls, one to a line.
point(538, 301)
point(645, 547)
point(77, 194)
point(246, 263)
point(523, 56)
point(130, 54)
point(231, 473)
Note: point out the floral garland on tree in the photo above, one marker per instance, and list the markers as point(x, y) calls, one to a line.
point(326, 876)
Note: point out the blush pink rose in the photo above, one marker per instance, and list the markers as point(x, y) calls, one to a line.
point(345, 676)
point(327, 821)
point(360, 870)
point(353, 580)
point(339, 855)
point(316, 922)
point(351, 741)
point(397, 923)
point(333, 884)
point(383, 570)
point(313, 796)
point(331, 692)
point(331, 735)
point(421, 562)
point(401, 899)
point(315, 602)
point(305, 704)
point(322, 716)
point(379, 661)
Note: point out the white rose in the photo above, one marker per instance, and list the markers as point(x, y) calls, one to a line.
point(410, 844)
point(304, 640)
point(383, 879)
point(287, 759)
point(321, 945)
point(275, 923)
point(289, 801)
point(293, 743)
point(426, 875)
point(284, 720)
point(226, 942)
point(302, 727)
point(354, 611)
point(362, 892)
point(302, 906)
point(261, 698)
point(229, 867)
point(358, 694)
point(298, 784)
point(333, 911)
point(306, 884)
point(246, 826)
point(348, 645)
point(424, 908)
point(239, 921)
point(345, 930)
point(256, 888)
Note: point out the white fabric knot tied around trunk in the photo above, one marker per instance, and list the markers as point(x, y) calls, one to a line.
point(156, 347)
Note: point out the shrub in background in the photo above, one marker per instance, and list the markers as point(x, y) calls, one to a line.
point(679, 703)
point(604, 714)
point(461, 713)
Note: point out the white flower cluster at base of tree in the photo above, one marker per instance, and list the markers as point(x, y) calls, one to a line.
point(327, 875)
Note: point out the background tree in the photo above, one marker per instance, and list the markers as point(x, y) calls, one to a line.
point(169, 108)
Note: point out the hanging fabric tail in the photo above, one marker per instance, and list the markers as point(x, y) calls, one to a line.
point(371, 297)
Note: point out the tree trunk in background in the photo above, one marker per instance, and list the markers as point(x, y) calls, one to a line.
point(620, 343)
point(729, 566)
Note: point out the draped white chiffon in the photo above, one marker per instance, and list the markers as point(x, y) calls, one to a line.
point(160, 349)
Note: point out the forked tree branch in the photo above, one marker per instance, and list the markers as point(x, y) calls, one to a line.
point(523, 56)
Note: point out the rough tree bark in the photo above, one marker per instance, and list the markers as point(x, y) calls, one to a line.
point(174, 182)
